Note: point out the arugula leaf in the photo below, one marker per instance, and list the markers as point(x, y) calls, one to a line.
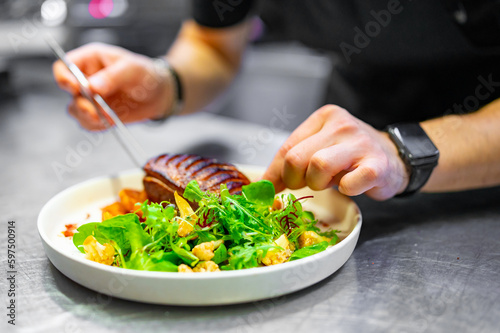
point(193, 192)
point(220, 255)
point(261, 192)
point(243, 211)
point(156, 215)
point(247, 256)
point(309, 250)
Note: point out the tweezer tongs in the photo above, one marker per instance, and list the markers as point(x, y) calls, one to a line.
point(105, 112)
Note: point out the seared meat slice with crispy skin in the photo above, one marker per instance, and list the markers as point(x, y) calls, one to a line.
point(166, 174)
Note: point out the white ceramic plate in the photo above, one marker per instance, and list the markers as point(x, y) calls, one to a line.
point(81, 204)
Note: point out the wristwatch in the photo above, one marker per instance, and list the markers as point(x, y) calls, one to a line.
point(418, 152)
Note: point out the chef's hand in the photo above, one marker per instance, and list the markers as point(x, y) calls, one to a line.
point(332, 147)
point(127, 81)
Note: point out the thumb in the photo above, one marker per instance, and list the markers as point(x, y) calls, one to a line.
point(110, 79)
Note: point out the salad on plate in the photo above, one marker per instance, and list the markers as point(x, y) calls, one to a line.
point(204, 231)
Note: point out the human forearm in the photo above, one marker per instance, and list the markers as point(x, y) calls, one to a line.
point(469, 148)
point(206, 60)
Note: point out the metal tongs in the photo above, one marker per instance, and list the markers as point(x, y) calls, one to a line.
point(105, 112)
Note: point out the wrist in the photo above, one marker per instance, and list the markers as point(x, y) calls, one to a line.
point(174, 93)
point(401, 170)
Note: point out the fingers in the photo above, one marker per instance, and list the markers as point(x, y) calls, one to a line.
point(334, 148)
point(112, 78)
point(90, 59)
point(288, 166)
point(108, 68)
point(87, 61)
point(275, 170)
point(327, 163)
point(64, 78)
point(273, 173)
point(113, 73)
point(83, 110)
point(298, 158)
point(361, 179)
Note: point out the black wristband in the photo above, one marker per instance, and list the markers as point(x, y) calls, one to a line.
point(177, 80)
point(164, 68)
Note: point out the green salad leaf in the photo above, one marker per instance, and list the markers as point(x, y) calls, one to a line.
point(124, 230)
point(88, 229)
point(245, 228)
point(193, 192)
point(160, 261)
point(220, 255)
point(247, 256)
point(309, 250)
point(187, 256)
point(261, 193)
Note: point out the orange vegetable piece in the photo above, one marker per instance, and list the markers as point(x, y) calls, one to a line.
point(113, 210)
point(130, 197)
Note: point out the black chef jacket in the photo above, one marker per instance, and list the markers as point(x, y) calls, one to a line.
point(400, 60)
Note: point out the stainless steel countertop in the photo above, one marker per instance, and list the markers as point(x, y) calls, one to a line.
point(430, 263)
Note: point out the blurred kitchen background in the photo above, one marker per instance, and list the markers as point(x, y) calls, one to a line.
point(273, 77)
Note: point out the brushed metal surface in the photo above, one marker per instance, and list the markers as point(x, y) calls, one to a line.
point(430, 263)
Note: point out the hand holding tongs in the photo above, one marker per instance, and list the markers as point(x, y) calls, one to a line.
point(107, 115)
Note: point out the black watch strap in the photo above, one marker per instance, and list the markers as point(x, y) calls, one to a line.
point(418, 178)
point(417, 151)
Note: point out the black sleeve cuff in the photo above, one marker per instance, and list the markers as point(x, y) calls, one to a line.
point(220, 13)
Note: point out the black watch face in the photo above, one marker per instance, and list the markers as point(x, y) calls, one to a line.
point(415, 140)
